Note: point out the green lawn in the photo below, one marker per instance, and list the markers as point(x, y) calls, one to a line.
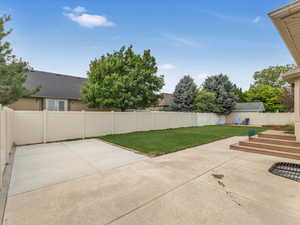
point(162, 142)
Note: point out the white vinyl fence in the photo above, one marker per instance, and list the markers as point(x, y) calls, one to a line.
point(29, 127)
point(6, 137)
point(263, 118)
point(45, 126)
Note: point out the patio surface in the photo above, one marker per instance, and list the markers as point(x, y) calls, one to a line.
point(40, 165)
point(173, 189)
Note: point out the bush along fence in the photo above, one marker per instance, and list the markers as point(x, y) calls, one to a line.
point(48, 126)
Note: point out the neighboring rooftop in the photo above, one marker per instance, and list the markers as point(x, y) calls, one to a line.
point(249, 107)
point(166, 100)
point(54, 85)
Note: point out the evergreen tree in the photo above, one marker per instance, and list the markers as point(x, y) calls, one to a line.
point(184, 95)
point(224, 90)
point(12, 70)
point(241, 95)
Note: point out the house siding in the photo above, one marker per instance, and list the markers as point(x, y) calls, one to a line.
point(76, 105)
point(28, 104)
point(39, 104)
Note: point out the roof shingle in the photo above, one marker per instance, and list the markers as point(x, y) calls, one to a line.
point(249, 107)
point(54, 85)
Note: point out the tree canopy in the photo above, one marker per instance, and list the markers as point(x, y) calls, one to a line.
point(241, 95)
point(184, 95)
point(224, 90)
point(12, 70)
point(272, 76)
point(123, 80)
point(269, 95)
point(205, 102)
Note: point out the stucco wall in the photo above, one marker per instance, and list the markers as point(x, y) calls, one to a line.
point(28, 104)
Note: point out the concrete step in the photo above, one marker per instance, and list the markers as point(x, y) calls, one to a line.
point(273, 147)
point(275, 141)
point(278, 136)
point(265, 151)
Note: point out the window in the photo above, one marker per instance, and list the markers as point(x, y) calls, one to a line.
point(56, 105)
point(51, 105)
point(61, 105)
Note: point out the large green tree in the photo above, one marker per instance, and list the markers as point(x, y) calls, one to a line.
point(269, 95)
point(205, 102)
point(241, 95)
point(12, 70)
point(272, 76)
point(224, 90)
point(184, 95)
point(123, 80)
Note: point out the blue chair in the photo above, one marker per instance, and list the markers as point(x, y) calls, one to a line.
point(237, 121)
point(246, 121)
point(221, 121)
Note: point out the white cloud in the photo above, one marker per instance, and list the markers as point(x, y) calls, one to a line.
point(167, 67)
point(79, 9)
point(89, 20)
point(230, 18)
point(86, 20)
point(181, 41)
point(67, 8)
point(224, 17)
point(257, 19)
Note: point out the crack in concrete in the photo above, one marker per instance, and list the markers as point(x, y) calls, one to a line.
point(171, 190)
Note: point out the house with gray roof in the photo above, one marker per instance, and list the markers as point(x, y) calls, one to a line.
point(58, 92)
point(163, 103)
point(249, 107)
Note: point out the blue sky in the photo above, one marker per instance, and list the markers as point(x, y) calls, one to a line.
point(198, 38)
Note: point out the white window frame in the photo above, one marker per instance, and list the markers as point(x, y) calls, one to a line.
point(56, 103)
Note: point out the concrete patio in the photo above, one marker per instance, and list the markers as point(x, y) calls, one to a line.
point(174, 189)
point(40, 165)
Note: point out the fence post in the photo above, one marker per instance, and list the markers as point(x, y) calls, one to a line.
point(1, 147)
point(112, 122)
point(45, 114)
point(84, 124)
point(2, 143)
point(135, 116)
point(4, 148)
point(153, 120)
point(7, 135)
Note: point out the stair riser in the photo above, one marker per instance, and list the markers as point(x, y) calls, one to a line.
point(277, 154)
point(275, 142)
point(274, 148)
point(282, 137)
